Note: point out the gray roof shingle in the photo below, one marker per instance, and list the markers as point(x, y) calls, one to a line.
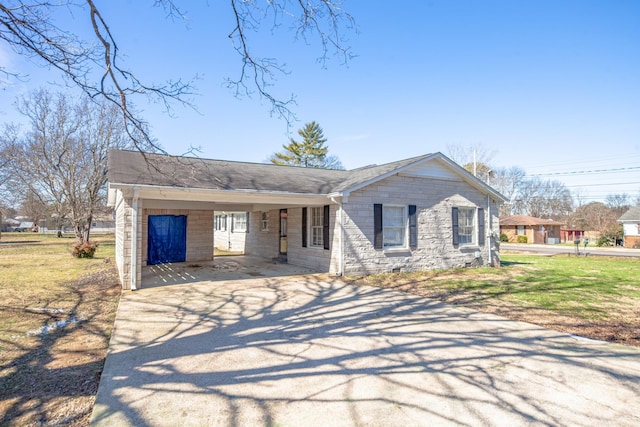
point(136, 168)
point(633, 214)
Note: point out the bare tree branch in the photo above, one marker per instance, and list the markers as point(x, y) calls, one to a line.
point(27, 27)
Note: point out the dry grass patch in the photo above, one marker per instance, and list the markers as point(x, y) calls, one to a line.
point(52, 378)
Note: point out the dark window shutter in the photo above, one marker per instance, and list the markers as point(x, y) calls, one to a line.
point(325, 226)
point(481, 231)
point(232, 222)
point(248, 217)
point(413, 226)
point(454, 223)
point(304, 227)
point(377, 226)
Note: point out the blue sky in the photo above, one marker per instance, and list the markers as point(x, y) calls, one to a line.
point(550, 86)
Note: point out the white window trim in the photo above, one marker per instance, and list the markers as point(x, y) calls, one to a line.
point(237, 229)
point(218, 222)
point(474, 233)
point(405, 214)
point(310, 227)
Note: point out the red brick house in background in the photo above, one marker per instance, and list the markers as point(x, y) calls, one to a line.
point(630, 221)
point(537, 230)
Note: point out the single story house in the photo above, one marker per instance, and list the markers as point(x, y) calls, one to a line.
point(421, 213)
point(631, 227)
point(537, 230)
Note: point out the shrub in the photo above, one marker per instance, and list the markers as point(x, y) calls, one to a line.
point(84, 250)
point(522, 239)
point(504, 238)
point(604, 241)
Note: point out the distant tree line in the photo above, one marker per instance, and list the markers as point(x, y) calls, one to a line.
point(544, 198)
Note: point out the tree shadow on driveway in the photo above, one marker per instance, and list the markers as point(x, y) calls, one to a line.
point(311, 350)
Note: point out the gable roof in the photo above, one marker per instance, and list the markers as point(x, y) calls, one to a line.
point(632, 215)
point(134, 168)
point(527, 220)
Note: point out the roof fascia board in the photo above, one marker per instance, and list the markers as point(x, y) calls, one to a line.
point(155, 192)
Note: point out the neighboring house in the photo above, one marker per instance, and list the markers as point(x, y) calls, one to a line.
point(103, 223)
point(537, 230)
point(9, 224)
point(230, 230)
point(416, 214)
point(631, 227)
point(570, 235)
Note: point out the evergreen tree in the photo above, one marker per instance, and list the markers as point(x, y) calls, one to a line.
point(311, 152)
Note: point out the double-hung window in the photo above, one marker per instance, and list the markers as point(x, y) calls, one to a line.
point(221, 222)
point(239, 224)
point(317, 221)
point(467, 226)
point(315, 227)
point(394, 226)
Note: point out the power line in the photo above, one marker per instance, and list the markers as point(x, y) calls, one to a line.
point(583, 172)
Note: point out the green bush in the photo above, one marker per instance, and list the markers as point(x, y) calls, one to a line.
point(604, 241)
point(522, 239)
point(84, 250)
point(504, 237)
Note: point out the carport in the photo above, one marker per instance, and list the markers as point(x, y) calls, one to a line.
point(290, 349)
point(175, 223)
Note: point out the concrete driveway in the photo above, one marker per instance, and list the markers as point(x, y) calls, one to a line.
point(253, 348)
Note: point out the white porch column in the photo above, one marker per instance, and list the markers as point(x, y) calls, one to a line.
point(134, 240)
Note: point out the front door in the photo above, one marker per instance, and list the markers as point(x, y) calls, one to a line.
point(167, 241)
point(283, 233)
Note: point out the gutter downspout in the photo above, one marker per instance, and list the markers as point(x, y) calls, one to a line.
point(339, 218)
point(490, 232)
point(134, 240)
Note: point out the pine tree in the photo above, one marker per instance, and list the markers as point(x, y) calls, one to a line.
point(310, 152)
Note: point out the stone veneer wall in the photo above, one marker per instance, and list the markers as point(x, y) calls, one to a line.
point(124, 239)
point(435, 250)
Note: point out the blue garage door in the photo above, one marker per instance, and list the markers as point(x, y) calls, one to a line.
point(167, 239)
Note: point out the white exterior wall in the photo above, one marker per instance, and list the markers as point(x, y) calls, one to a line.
point(228, 240)
point(120, 233)
point(630, 229)
point(435, 250)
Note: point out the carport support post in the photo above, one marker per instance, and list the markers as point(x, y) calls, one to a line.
point(134, 239)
